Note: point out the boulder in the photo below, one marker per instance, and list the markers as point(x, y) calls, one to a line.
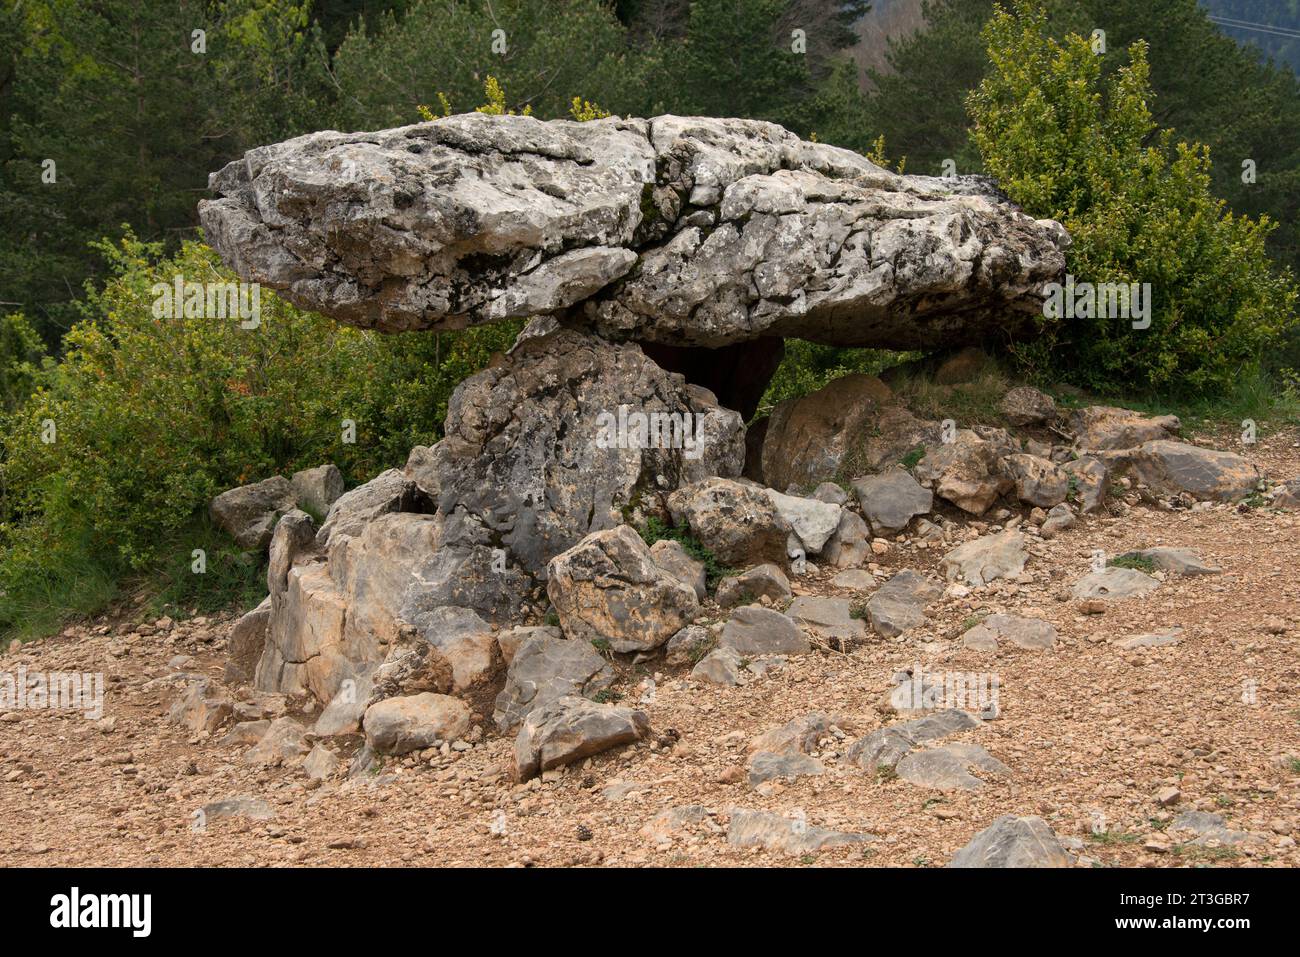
point(320, 763)
point(967, 472)
point(791, 836)
point(688, 646)
point(765, 766)
point(201, 707)
point(1027, 406)
point(510, 640)
point(1037, 481)
point(891, 499)
point(801, 734)
point(317, 489)
point(571, 729)
point(754, 630)
point(545, 669)
point(295, 534)
point(609, 587)
point(672, 558)
point(1059, 518)
point(1175, 561)
point(948, 767)
point(738, 523)
point(850, 546)
point(900, 603)
point(722, 666)
point(246, 642)
point(737, 229)
point(388, 492)
point(885, 747)
point(811, 521)
point(1013, 842)
point(248, 514)
point(1171, 468)
point(1099, 427)
point(284, 742)
point(1088, 478)
point(752, 584)
point(414, 722)
point(986, 559)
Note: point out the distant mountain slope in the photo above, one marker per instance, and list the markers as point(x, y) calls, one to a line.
point(1271, 25)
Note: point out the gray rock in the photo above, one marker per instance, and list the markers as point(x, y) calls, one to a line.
point(283, 742)
point(1171, 468)
point(738, 523)
point(754, 630)
point(1103, 427)
point(320, 763)
point(767, 766)
point(1026, 406)
point(609, 587)
point(832, 493)
point(422, 469)
point(1031, 634)
point(571, 729)
point(245, 733)
point(672, 558)
point(967, 472)
point(830, 619)
point(461, 640)
point(674, 822)
point(1037, 481)
point(791, 836)
point(1013, 842)
point(510, 640)
point(854, 579)
point(246, 642)
point(319, 488)
point(248, 513)
point(1207, 827)
point(254, 809)
point(886, 746)
point(948, 767)
point(850, 546)
point(1114, 584)
point(752, 584)
point(891, 499)
point(1175, 561)
point(414, 722)
point(812, 521)
point(345, 710)
point(1157, 639)
point(986, 559)
point(800, 734)
point(900, 603)
point(688, 646)
point(545, 669)
point(475, 218)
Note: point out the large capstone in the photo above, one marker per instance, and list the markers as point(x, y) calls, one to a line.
point(688, 231)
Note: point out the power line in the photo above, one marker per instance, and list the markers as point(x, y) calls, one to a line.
point(1256, 27)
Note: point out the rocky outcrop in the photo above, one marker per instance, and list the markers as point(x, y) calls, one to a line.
point(681, 230)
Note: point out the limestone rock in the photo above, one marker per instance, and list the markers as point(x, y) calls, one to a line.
point(1175, 561)
point(414, 722)
point(900, 603)
point(891, 499)
point(1174, 467)
point(830, 619)
point(812, 521)
point(248, 513)
point(1031, 634)
point(609, 587)
point(672, 558)
point(1037, 481)
point(736, 522)
point(1114, 584)
point(752, 584)
point(1013, 842)
point(786, 835)
point(986, 559)
point(967, 472)
point(688, 646)
point(571, 729)
point(319, 488)
point(545, 669)
point(754, 630)
point(1099, 427)
point(1027, 406)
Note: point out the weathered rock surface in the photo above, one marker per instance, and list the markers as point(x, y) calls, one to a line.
point(319, 488)
point(900, 603)
point(1090, 479)
point(851, 543)
point(248, 513)
point(986, 559)
point(246, 642)
point(545, 669)
point(609, 587)
point(672, 558)
point(810, 520)
point(767, 766)
point(1114, 584)
point(1031, 634)
point(967, 471)
point(829, 619)
point(570, 729)
point(1175, 561)
point(1037, 481)
point(891, 499)
point(784, 834)
point(413, 722)
point(752, 584)
point(688, 646)
point(1013, 842)
point(1027, 406)
point(683, 230)
point(949, 767)
point(1099, 427)
point(885, 747)
point(1171, 468)
point(754, 630)
point(736, 522)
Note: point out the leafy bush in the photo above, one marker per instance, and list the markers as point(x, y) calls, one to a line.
point(655, 530)
point(21, 352)
point(1067, 144)
point(115, 457)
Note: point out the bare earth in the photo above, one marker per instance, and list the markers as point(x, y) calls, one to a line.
point(1090, 732)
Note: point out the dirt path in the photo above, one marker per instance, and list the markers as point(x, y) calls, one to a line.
point(1091, 733)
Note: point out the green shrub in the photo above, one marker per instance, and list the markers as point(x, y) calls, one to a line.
point(150, 417)
point(1067, 144)
point(21, 353)
point(655, 530)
